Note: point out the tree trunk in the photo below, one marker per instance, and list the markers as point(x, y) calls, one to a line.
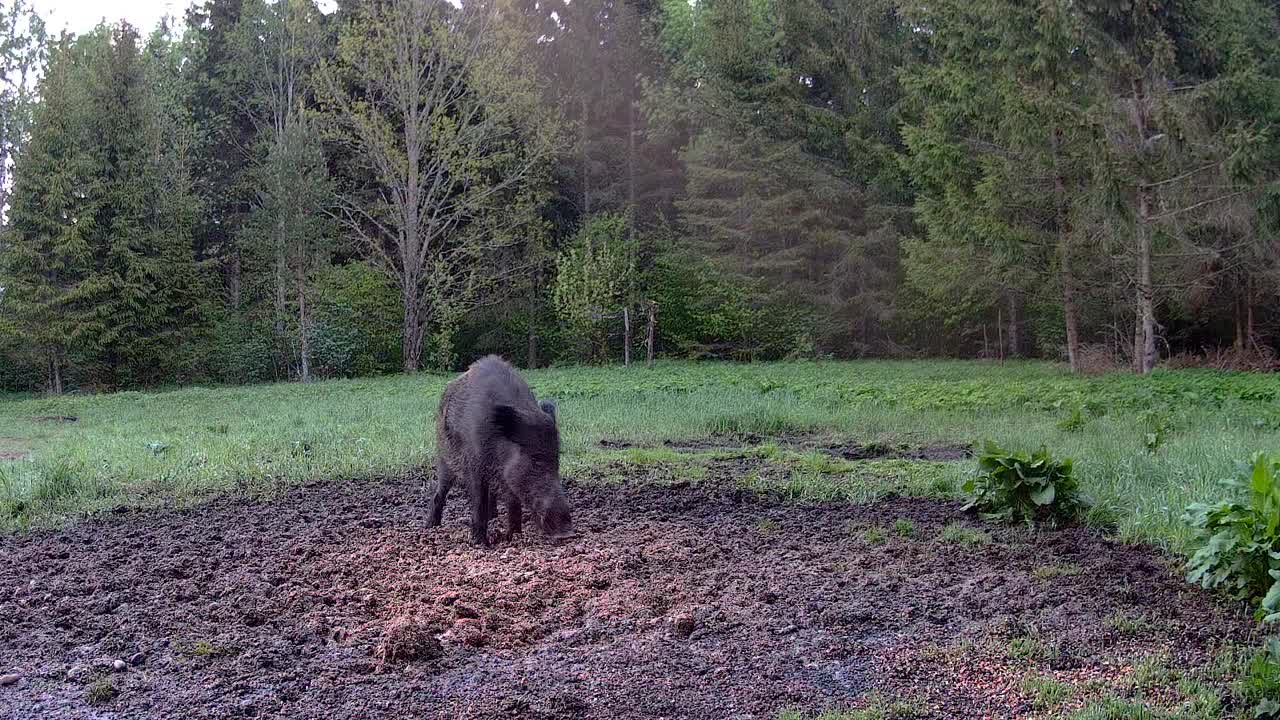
point(1069, 311)
point(1144, 344)
point(233, 277)
point(586, 172)
point(1248, 314)
point(1237, 322)
point(1137, 334)
point(1000, 332)
point(631, 165)
point(304, 334)
point(1015, 325)
point(532, 357)
point(281, 301)
point(413, 332)
point(652, 332)
point(626, 336)
point(55, 374)
point(1146, 292)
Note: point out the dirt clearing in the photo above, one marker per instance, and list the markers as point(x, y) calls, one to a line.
point(702, 601)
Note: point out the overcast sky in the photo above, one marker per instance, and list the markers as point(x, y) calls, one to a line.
point(82, 15)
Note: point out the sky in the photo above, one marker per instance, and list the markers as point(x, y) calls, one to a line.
point(80, 16)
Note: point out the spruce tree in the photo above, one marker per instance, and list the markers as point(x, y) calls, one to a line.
point(47, 258)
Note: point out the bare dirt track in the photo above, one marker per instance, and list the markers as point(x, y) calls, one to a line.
point(697, 601)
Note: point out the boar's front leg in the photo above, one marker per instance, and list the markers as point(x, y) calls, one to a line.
point(515, 515)
point(444, 481)
point(478, 483)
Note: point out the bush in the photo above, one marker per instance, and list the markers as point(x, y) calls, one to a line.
point(705, 313)
point(241, 351)
point(1260, 683)
point(1239, 541)
point(359, 322)
point(1024, 488)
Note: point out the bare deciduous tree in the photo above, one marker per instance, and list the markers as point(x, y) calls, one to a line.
point(445, 113)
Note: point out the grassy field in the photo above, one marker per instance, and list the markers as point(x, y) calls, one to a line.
point(1144, 447)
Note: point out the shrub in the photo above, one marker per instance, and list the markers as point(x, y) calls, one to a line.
point(358, 321)
point(1239, 541)
point(1014, 487)
point(1260, 683)
point(241, 351)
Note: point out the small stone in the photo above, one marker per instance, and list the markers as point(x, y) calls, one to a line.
point(77, 672)
point(137, 658)
point(9, 679)
point(683, 624)
point(118, 665)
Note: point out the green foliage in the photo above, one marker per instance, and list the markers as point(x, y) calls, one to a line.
point(1045, 692)
point(1073, 422)
point(101, 692)
point(875, 536)
point(595, 279)
point(242, 350)
point(1260, 682)
point(358, 322)
point(1016, 487)
point(957, 534)
point(1158, 426)
point(1239, 539)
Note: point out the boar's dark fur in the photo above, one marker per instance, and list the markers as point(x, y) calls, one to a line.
point(492, 433)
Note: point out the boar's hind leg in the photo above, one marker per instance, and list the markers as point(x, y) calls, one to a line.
point(444, 481)
point(478, 484)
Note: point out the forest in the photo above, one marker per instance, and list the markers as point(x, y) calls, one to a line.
point(268, 190)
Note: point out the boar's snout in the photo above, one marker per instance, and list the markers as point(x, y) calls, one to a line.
point(555, 520)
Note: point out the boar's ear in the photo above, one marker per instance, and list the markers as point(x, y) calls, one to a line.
point(507, 420)
point(549, 408)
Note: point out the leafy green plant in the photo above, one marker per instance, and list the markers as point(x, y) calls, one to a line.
point(1158, 428)
point(1240, 540)
point(1073, 422)
point(1016, 487)
point(1261, 681)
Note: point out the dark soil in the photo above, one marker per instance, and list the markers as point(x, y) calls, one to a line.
point(335, 601)
point(811, 443)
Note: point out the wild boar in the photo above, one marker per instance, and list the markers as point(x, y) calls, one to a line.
point(493, 434)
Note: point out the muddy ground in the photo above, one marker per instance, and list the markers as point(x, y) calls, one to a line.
point(697, 601)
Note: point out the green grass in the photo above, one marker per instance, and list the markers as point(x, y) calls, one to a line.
point(875, 536)
point(957, 534)
point(1045, 692)
point(878, 708)
point(100, 692)
point(177, 447)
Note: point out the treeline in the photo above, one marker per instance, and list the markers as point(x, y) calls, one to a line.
point(265, 191)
